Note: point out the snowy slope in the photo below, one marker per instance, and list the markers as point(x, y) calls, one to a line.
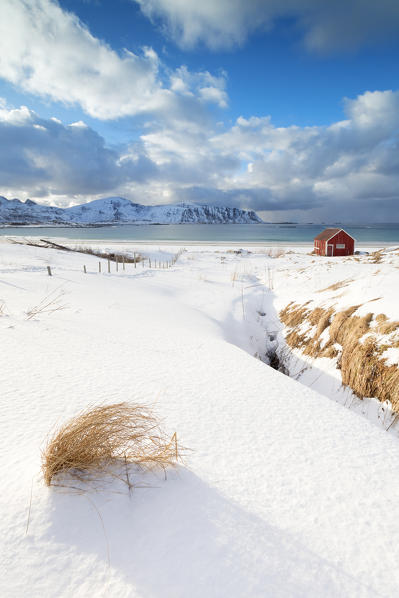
point(119, 209)
point(284, 493)
point(14, 211)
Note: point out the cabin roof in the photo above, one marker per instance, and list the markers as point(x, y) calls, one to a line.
point(329, 233)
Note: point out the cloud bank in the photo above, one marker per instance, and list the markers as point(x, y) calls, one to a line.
point(325, 25)
point(346, 170)
point(48, 52)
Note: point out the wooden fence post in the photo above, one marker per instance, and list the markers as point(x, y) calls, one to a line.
point(109, 267)
point(49, 271)
point(99, 266)
point(84, 269)
point(134, 257)
point(123, 263)
point(116, 263)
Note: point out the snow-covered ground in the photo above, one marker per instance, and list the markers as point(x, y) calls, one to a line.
point(284, 492)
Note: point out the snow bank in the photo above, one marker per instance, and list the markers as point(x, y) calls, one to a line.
point(285, 493)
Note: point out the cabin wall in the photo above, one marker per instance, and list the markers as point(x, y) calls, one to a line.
point(319, 247)
point(342, 238)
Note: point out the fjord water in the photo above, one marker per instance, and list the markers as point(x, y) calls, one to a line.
point(209, 233)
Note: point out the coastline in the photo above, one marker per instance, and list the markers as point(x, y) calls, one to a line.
point(194, 243)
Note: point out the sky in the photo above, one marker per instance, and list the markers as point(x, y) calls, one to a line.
point(286, 107)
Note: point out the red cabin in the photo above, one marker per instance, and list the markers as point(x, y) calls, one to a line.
point(334, 241)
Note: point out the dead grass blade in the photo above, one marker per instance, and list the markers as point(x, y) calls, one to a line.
point(49, 304)
point(338, 285)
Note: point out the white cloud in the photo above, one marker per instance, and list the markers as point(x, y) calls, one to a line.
point(348, 169)
point(200, 84)
point(326, 25)
point(48, 52)
point(41, 157)
point(372, 107)
point(218, 24)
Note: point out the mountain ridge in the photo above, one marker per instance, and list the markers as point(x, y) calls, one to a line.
point(113, 210)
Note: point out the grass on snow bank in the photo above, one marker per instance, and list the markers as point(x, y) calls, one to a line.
point(357, 342)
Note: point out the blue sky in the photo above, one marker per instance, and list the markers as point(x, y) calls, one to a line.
point(288, 108)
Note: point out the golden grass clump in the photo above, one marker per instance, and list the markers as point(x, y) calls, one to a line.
point(295, 340)
point(359, 358)
point(368, 375)
point(376, 256)
point(384, 326)
point(293, 314)
point(338, 328)
point(100, 440)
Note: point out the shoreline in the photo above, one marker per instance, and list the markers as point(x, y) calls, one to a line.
point(194, 243)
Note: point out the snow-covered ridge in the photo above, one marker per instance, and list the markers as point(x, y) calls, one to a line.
point(118, 209)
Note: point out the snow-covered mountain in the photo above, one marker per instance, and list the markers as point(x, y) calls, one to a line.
point(121, 210)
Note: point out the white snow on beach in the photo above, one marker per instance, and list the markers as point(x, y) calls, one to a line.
point(284, 492)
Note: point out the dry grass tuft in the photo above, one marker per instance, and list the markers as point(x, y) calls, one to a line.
point(338, 285)
point(296, 340)
point(293, 314)
point(112, 256)
point(384, 326)
point(350, 330)
point(329, 351)
point(359, 357)
point(50, 304)
point(101, 440)
point(368, 375)
point(338, 329)
point(376, 256)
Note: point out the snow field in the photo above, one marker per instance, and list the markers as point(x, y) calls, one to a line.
point(284, 492)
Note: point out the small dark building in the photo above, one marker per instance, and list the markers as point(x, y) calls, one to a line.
point(334, 241)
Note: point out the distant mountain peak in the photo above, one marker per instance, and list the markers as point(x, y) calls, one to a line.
point(111, 210)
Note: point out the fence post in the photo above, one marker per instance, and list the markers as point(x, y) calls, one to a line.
point(123, 262)
point(99, 266)
point(116, 263)
point(149, 259)
point(84, 269)
point(49, 271)
point(134, 258)
point(109, 267)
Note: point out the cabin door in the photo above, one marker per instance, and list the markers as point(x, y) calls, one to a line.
point(330, 250)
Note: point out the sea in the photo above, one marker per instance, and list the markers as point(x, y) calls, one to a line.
point(259, 234)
